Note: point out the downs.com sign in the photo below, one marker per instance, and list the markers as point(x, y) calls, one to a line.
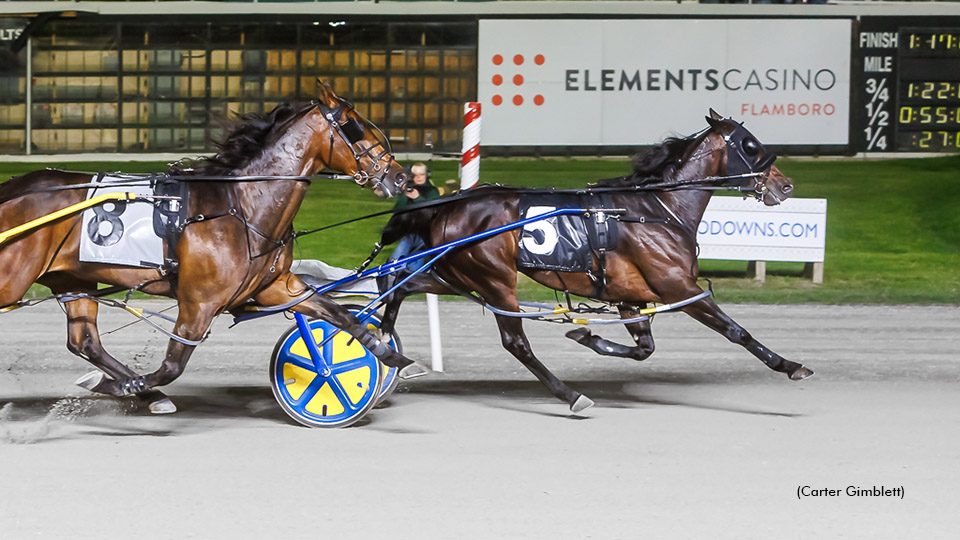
point(739, 229)
point(634, 82)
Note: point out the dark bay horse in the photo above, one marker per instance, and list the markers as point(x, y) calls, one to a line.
point(655, 261)
point(236, 247)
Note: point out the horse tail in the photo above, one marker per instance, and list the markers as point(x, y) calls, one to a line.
point(415, 220)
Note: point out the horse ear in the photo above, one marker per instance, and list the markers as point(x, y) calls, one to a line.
point(715, 115)
point(324, 90)
point(715, 123)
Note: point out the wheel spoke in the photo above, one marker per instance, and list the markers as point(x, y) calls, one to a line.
point(327, 350)
point(299, 361)
point(310, 391)
point(351, 365)
point(341, 393)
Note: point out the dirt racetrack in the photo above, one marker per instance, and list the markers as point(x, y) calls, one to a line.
point(699, 441)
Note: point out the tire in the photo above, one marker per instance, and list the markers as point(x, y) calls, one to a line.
point(351, 389)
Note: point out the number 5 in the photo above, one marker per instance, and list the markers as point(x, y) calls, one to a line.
point(550, 237)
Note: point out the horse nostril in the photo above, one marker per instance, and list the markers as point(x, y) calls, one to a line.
point(788, 188)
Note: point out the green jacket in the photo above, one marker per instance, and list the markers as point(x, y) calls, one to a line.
point(428, 192)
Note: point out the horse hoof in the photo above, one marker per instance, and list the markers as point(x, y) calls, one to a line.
point(581, 404)
point(412, 372)
point(578, 334)
point(801, 373)
point(163, 406)
point(90, 380)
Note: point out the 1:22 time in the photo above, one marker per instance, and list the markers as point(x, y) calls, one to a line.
point(933, 90)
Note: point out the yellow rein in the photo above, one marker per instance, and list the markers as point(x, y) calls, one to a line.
point(124, 196)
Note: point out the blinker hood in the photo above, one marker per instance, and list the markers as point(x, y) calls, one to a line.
point(350, 129)
point(353, 130)
point(745, 154)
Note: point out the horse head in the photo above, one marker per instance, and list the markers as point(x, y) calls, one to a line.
point(746, 156)
point(354, 145)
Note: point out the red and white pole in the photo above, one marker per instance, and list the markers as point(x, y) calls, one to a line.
point(470, 162)
point(469, 176)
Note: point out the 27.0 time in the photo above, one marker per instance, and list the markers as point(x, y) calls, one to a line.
point(929, 115)
point(933, 140)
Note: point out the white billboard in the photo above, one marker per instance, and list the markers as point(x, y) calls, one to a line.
point(634, 82)
point(733, 228)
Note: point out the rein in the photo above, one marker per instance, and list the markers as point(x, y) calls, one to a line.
point(132, 180)
point(546, 313)
point(689, 184)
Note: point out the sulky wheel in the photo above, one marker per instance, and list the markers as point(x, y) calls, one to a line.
point(389, 376)
point(338, 399)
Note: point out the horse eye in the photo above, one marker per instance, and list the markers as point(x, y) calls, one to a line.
point(751, 147)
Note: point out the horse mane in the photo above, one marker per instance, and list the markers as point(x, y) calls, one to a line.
point(246, 137)
point(656, 163)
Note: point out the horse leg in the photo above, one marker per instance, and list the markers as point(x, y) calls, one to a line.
point(640, 331)
point(515, 341)
point(421, 283)
point(390, 313)
point(707, 312)
point(319, 306)
point(83, 340)
point(192, 323)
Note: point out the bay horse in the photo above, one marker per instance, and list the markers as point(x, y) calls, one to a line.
point(235, 247)
point(656, 260)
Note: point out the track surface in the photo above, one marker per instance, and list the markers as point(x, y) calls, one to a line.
point(699, 441)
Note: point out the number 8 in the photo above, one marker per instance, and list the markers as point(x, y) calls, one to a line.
point(112, 217)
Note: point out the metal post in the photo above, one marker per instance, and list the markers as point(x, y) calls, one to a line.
point(433, 315)
point(29, 105)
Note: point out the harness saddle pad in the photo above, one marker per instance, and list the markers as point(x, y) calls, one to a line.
point(567, 242)
point(129, 233)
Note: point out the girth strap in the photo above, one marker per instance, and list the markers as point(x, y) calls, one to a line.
point(602, 235)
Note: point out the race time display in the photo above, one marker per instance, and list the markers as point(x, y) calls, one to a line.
point(928, 115)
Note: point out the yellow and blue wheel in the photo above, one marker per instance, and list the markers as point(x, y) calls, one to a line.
point(337, 399)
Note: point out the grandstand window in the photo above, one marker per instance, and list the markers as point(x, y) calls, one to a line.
point(131, 85)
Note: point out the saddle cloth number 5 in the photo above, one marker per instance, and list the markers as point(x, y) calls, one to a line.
point(546, 228)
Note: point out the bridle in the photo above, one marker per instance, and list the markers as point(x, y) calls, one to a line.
point(760, 188)
point(351, 131)
point(747, 159)
point(747, 165)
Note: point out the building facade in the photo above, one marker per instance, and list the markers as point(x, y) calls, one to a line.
point(168, 84)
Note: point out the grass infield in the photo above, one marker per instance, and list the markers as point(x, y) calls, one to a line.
point(893, 225)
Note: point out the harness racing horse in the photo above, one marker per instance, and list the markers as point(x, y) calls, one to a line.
point(235, 246)
point(656, 260)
